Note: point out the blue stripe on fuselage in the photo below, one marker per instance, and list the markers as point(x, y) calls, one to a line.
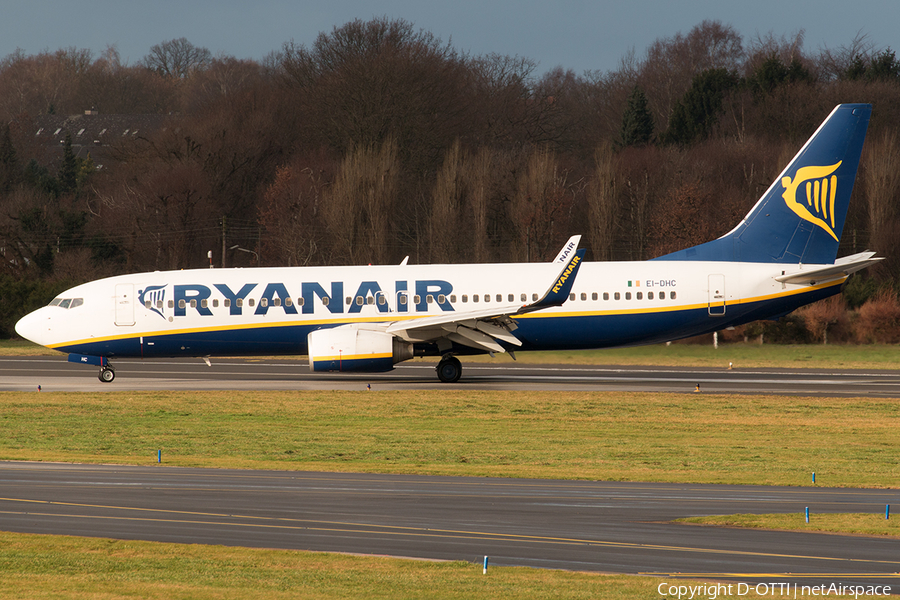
point(554, 331)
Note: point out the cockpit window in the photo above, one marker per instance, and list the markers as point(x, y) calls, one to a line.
point(67, 302)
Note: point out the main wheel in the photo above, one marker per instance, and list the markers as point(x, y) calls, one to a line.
point(106, 375)
point(449, 370)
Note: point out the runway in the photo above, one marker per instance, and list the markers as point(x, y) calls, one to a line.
point(56, 374)
point(579, 525)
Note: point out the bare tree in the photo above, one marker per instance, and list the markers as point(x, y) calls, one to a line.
point(177, 59)
point(447, 201)
point(541, 200)
point(359, 206)
point(881, 177)
point(603, 203)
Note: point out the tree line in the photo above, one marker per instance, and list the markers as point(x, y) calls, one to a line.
point(379, 141)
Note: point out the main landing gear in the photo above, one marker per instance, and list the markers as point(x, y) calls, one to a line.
point(449, 369)
point(107, 374)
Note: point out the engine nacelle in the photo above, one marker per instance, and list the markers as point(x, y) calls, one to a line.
point(352, 348)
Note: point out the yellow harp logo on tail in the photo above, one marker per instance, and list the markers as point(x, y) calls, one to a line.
point(821, 190)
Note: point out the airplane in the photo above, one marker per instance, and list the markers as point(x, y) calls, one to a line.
point(782, 255)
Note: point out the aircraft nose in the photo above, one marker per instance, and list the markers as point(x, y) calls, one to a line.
point(34, 326)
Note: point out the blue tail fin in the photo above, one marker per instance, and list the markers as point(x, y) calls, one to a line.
point(801, 216)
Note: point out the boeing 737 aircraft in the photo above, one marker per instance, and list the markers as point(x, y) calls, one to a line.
point(781, 256)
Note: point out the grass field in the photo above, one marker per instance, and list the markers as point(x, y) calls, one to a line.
point(98, 569)
point(854, 523)
point(569, 435)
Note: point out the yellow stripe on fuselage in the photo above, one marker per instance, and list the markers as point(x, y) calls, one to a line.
point(394, 317)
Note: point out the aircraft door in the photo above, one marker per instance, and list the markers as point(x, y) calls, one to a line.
point(124, 304)
point(716, 295)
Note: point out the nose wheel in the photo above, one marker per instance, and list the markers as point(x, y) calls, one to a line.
point(107, 374)
point(449, 369)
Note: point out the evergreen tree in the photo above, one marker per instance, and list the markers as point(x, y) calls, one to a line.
point(695, 114)
point(9, 162)
point(637, 122)
point(883, 67)
point(68, 172)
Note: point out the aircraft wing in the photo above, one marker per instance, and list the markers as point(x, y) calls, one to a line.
point(486, 327)
point(841, 268)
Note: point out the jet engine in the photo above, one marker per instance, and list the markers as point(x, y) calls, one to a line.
point(354, 348)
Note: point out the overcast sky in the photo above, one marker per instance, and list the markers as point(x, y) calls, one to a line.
point(577, 35)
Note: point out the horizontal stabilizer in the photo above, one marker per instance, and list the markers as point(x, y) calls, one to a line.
point(841, 268)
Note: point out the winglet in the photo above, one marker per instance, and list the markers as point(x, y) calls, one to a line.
point(567, 250)
point(562, 285)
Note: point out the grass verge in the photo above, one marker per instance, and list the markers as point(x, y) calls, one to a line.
point(852, 523)
point(768, 440)
point(36, 566)
point(97, 569)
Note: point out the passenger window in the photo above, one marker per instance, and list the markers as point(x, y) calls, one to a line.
point(512, 297)
point(571, 296)
point(649, 295)
point(359, 300)
point(226, 302)
point(662, 295)
point(159, 304)
point(403, 299)
point(381, 300)
point(524, 298)
point(465, 298)
point(325, 301)
point(239, 302)
point(417, 299)
point(429, 299)
point(216, 302)
point(474, 297)
point(452, 298)
point(499, 297)
point(287, 301)
point(171, 304)
point(348, 301)
point(275, 301)
point(584, 296)
point(370, 300)
point(534, 298)
point(594, 296)
point(300, 301)
point(441, 298)
point(264, 302)
point(671, 295)
point(204, 303)
point(487, 297)
point(639, 296)
point(194, 303)
point(618, 296)
point(147, 304)
point(251, 302)
point(628, 295)
point(606, 295)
